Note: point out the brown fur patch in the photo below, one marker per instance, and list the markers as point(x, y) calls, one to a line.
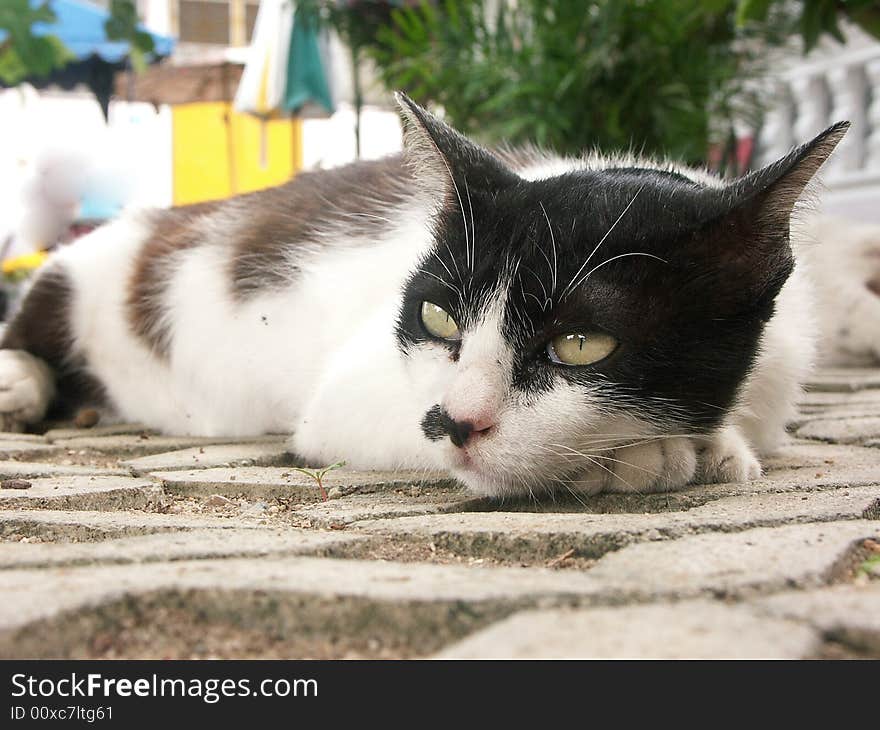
point(359, 197)
point(172, 232)
point(265, 232)
point(42, 327)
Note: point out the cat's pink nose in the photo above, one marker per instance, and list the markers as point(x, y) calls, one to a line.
point(461, 431)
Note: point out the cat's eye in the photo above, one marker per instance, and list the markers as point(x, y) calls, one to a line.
point(578, 348)
point(438, 322)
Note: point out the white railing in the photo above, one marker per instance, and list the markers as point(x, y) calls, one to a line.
point(836, 83)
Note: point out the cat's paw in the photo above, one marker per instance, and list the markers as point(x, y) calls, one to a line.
point(26, 389)
point(727, 458)
point(660, 465)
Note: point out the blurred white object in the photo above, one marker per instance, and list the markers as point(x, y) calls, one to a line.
point(262, 85)
point(832, 83)
point(844, 259)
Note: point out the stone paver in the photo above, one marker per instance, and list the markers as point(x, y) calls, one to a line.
point(258, 454)
point(62, 526)
point(180, 545)
point(522, 534)
point(375, 506)
point(761, 559)
point(118, 429)
point(32, 594)
point(12, 436)
point(83, 492)
point(121, 542)
point(845, 613)
point(11, 469)
point(284, 483)
point(690, 629)
point(20, 448)
point(143, 443)
point(846, 380)
point(855, 429)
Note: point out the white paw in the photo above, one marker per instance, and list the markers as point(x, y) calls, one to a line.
point(660, 465)
point(26, 389)
point(727, 458)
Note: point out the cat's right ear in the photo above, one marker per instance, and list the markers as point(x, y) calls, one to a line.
point(442, 159)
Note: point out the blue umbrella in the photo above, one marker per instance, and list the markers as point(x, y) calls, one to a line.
point(96, 58)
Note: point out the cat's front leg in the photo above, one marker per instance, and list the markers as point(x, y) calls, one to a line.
point(27, 386)
point(668, 463)
point(727, 457)
point(661, 464)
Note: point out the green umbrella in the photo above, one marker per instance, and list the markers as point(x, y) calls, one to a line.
point(306, 79)
point(285, 70)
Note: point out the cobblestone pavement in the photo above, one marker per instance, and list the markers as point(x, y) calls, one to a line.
point(121, 543)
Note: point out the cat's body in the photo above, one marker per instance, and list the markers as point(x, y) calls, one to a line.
point(303, 309)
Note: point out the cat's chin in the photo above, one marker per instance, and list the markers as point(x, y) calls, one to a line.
point(481, 480)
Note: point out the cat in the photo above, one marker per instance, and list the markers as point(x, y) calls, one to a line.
point(528, 323)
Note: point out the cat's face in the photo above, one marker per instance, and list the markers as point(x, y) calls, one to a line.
point(560, 318)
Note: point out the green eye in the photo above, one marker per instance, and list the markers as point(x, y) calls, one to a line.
point(581, 349)
point(438, 322)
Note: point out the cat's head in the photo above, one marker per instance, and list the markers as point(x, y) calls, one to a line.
point(560, 317)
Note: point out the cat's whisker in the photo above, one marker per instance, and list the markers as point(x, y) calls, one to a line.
point(571, 284)
point(571, 491)
point(473, 228)
point(610, 471)
point(460, 205)
point(540, 282)
point(620, 256)
point(529, 294)
point(454, 264)
point(442, 281)
point(592, 457)
point(627, 463)
point(442, 263)
point(577, 454)
point(553, 270)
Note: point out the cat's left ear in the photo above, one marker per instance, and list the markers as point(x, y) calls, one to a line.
point(769, 195)
point(440, 156)
point(750, 251)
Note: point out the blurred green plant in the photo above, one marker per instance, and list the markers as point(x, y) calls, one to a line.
point(817, 17)
point(122, 25)
point(24, 55)
point(571, 75)
point(662, 76)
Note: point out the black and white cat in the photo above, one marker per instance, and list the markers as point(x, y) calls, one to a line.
point(528, 323)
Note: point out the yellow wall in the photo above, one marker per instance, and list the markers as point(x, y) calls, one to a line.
point(215, 159)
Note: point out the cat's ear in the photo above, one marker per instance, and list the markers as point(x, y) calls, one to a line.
point(444, 159)
point(770, 194)
point(748, 233)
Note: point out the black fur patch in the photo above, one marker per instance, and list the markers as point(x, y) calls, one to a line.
point(432, 424)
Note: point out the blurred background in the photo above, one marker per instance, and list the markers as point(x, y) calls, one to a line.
point(112, 103)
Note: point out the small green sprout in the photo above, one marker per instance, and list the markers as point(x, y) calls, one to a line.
point(318, 475)
point(870, 565)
